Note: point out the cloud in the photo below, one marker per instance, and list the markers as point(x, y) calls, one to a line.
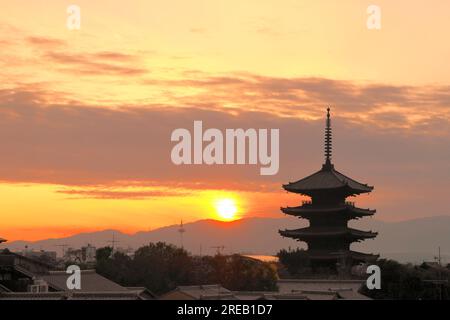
point(82, 146)
point(45, 42)
point(108, 192)
point(101, 63)
point(197, 30)
point(300, 97)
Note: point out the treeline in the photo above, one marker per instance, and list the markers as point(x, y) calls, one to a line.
point(411, 282)
point(161, 267)
point(398, 281)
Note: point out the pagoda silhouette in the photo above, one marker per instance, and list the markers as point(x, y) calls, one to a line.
point(328, 236)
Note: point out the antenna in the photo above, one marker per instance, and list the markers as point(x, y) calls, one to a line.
point(438, 282)
point(181, 230)
point(438, 258)
point(113, 241)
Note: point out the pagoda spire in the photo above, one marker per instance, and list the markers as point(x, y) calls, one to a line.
point(328, 147)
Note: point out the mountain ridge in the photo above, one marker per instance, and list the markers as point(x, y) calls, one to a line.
point(412, 240)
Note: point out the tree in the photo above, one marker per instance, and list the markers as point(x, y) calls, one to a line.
point(296, 261)
point(162, 267)
point(405, 281)
point(235, 272)
point(103, 253)
point(159, 267)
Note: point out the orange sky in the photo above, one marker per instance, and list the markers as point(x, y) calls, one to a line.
point(86, 115)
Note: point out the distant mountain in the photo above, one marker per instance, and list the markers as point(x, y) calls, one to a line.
point(406, 241)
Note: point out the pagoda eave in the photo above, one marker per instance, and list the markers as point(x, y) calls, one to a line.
point(328, 179)
point(355, 255)
point(346, 189)
point(307, 211)
point(309, 233)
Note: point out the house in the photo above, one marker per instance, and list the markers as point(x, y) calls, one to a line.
point(24, 278)
point(319, 289)
point(289, 289)
point(200, 292)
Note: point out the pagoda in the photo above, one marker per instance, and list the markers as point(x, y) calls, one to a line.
point(328, 236)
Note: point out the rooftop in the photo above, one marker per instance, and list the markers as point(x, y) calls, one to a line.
point(199, 292)
point(326, 179)
point(327, 232)
point(90, 282)
point(344, 289)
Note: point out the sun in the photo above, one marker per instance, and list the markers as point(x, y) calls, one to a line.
point(226, 209)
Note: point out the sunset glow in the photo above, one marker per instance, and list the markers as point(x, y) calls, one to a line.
point(86, 115)
point(226, 209)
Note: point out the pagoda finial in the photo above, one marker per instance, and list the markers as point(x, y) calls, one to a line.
point(328, 147)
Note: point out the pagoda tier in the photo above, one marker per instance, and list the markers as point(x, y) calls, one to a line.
point(346, 211)
point(327, 180)
point(314, 233)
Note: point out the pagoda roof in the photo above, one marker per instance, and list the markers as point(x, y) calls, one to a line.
point(322, 232)
point(308, 210)
point(325, 179)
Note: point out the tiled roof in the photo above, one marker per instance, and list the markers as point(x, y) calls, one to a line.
point(202, 292)
point(127, 295)
point(344, 289)
point(344, 209)
point(326, 179)
point(32, 296)
point(309, 232)
point(90, 282)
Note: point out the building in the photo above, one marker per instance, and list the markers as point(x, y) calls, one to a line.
point(88, 254)
point(49, 256)
point(200, 292)
point(25, 278)
point(323, 289)
point(288, 290)
point(328, 236)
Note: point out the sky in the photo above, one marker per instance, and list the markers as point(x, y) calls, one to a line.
point(86, 115)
